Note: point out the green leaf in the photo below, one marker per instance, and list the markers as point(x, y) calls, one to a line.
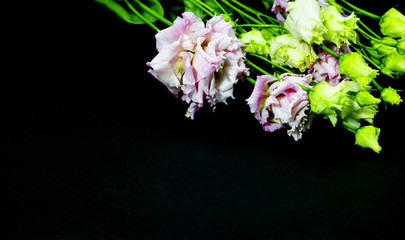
point(123, 11)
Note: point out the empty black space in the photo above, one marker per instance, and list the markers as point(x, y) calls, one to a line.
point(94, 147)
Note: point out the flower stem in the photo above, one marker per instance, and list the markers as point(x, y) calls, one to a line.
point(369, 29)
point(369, 37)
point(361, 11)
point(261, 70)
point(374, 82)
point(203, 7)
point(260, 25)
point(242, 13)
point(141, 17)
point(257, 68)
point(305, 88)
point(348, 126)
point(268, 61)
point(220, 7)
point(254, 11)
point(251, 80)
point(331, 52)
point(153, 13)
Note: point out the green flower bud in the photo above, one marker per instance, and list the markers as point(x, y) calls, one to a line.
point(367, 137)
point(354, 66)
point(361, 107)
point(364, 98)
point(401, 47)
point(391, 96)
point(339, 29)
point(392, 23)
point(255, 42)
point(326, 99)
point(394, 62)
point(382, 48)
point(387, 71)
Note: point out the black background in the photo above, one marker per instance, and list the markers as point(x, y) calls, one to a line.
point(93, 147)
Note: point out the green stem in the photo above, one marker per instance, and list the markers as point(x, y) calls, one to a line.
point(203, 7)
point(369, 29)
point(349, 127)
point(257, 13)
point(374, 82)
point(305, 88)
point(251, 80)
point(331, 52)
point(353, 93)
point(268, 61)
point(220, 7)
point(141, 17)
point(242, 13)
point(261, 70)
point(258, 68)
point(260, 25)
point(364, 46)
point(364, 12)
point(153, 13)
point(369, 37)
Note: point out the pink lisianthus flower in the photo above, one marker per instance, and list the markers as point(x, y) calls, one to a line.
point(279, 6)
point(280, 104)
point(326, 67)
point(199, 62)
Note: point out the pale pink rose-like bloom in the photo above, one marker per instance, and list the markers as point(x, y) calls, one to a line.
point(201, 62)
point(279, 104)
point(326, 67)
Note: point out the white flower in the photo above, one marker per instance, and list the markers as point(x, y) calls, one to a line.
point(304, 21)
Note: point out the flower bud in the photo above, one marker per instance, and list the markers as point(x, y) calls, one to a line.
point(354, 66)
point(392, 23)
point(386, 71)
point(325, 99)
point(384, 49)
point(394, 62)
point(367, 137)
point(364, 98)
point(391, 96)
point(255, 42)
point(401, 47)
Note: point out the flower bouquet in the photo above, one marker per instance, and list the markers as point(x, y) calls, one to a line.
point(304, 58)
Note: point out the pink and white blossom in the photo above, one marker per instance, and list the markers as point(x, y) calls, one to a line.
point(279, 104)
point(199, 62)
point(326, 67)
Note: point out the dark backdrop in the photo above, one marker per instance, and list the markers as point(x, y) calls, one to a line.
point(95, 148)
